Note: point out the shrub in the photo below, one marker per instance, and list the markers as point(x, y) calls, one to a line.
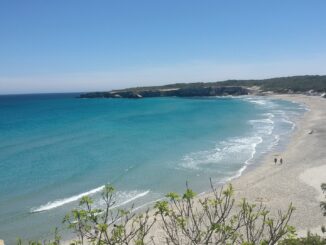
point(311, 239)
point(216, 220)
point(184, 219)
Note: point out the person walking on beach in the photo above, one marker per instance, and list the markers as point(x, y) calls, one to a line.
point(275, 160)
point(281, 160)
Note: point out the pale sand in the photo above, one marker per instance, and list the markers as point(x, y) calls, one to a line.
point(299, 178)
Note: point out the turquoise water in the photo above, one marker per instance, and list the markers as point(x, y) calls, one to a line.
point(56, 148)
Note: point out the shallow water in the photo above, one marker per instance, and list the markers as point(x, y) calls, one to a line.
point(56, 148)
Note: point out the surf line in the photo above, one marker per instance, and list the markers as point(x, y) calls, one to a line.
point(61, 202)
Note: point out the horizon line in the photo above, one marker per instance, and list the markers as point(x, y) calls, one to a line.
point(92, 91)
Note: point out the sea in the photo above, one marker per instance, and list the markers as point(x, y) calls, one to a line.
point(56, 148)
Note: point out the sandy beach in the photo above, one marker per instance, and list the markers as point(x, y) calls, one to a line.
point(303, 170)
point(297, 180)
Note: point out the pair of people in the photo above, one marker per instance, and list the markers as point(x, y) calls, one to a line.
point(281, 160)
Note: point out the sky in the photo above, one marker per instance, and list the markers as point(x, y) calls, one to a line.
point(84, 45)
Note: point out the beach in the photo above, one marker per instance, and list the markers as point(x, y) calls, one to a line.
point(298, 179)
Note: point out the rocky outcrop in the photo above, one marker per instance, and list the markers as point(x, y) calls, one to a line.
point(198, 91)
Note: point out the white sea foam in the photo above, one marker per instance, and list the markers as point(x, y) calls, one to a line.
point(247, 162)
point(260, 102)
point(232, 148)
point(269, 115)
point(276, 140)
point(293, 125)
point(267, 129)
point(262, 126)
point(123, 198)
point(131, 196)
point(147, 204)
point(61, 202)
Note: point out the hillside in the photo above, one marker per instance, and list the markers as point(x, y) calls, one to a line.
point(294, 84)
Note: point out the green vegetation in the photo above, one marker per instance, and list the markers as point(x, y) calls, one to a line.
point(285, 84)
point(107, 226)
point(217, 220)
point(280, 84)
point(183, 219)
point(323, 205)
point(311, 239)
point(295, 84)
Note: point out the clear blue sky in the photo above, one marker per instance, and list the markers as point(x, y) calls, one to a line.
point(76, 45)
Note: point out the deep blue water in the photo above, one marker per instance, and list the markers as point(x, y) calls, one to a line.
point(55, 148)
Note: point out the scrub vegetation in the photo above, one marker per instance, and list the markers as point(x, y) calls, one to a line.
point(183, 219)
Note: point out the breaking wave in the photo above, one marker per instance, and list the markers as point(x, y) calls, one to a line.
point(61, 202)
point(234, 148)
point(232, 156)
point(123, 198)
point(127, 197)
point(267, 103)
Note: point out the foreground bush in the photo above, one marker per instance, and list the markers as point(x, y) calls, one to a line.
point(311, 239)
point(216, 220)
point(323, 205)
point(182, 219)
point(107, 226)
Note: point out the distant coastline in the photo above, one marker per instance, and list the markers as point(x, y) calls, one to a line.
point(314, 85)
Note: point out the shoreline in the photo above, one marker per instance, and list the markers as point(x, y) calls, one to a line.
point(276, 186)
point(304, 157)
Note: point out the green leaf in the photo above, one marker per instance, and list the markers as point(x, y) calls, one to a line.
point(189, 194)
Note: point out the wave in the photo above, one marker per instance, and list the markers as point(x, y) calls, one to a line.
point(263, 126)
point(285, 118)
point(267, 130)
point(148, 203)
point(224, 151)
point(246, 163)
point(123, 198)
point(269, 115)
point(132, 196)
point(260, 101)
point(61, 202)
point(293, 125)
